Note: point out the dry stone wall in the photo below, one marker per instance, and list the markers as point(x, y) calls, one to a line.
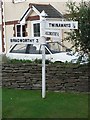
point(59, 77)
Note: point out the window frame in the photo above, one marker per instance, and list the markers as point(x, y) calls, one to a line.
point(18, 1)
point(32, 27)
point(17, 31)
point(21, 30)
point(13, 49)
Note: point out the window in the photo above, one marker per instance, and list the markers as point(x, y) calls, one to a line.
point(18, 1)
point(36, 30)
point(46, 50)
point(32, 49)
point(20, 31)
point(56, 47)
point(19, 49)
point(23, 30)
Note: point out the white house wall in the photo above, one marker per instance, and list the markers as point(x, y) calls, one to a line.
point(14, 11)
point(0, 40)
point(29, 31)
point(9, 34)
point(0, 32)
point(33, 13)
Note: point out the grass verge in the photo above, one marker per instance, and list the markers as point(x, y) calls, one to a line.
point(29, 104)
point(0, 103)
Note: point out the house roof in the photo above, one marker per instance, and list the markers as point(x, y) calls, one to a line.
point(49, 10)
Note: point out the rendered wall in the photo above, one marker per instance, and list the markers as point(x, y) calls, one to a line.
point(9, 34)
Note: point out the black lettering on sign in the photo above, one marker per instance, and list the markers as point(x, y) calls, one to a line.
point(52, 33)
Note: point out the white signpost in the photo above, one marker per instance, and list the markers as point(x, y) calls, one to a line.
point(61, 25)
point(52, 29)
point(25, 40)
point(52, 33)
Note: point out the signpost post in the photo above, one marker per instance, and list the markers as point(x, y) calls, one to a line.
point(43, 68)
point(43, 42)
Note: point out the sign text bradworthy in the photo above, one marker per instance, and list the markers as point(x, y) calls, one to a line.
point(24, 40)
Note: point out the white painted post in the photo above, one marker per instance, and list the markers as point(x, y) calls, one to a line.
point(0, 31)
point(43, 40)
point(42, 29)
point(43, 72)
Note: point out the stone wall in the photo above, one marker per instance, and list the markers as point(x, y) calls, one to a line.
point(59, 77)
